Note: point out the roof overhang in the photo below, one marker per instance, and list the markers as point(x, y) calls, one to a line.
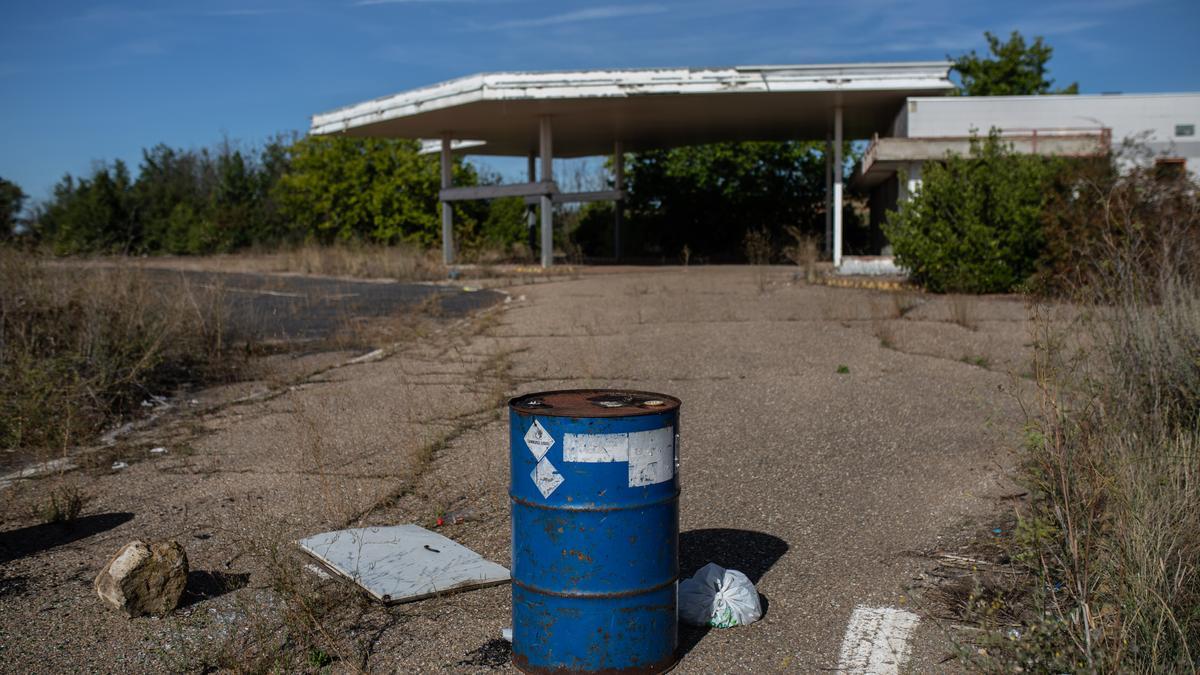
point(644, 108)
point(885, 156)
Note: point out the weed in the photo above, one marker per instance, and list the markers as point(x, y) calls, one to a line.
point(61, 504)
point(843, 370)
point(977, 361)
point(757, 247)
point(804, 252)
point(373, 261)
point(886, 333)
point(318, 658)
point(1110, 541)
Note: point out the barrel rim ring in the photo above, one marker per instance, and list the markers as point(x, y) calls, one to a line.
point(672, 404)
point(605, 595)
point(674, 496)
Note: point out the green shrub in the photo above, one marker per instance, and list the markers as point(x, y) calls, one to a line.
point(975, 224)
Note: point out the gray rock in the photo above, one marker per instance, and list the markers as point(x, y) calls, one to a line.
point(144, 579)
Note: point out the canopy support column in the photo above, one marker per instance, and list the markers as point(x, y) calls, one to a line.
point(837, 187)
point(531, 209)
point(827, 244)
point(546, 151)
point(447, 208)
point(619, 205)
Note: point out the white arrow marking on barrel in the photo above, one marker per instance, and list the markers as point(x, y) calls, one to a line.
point(651, 454)
point(876, 641)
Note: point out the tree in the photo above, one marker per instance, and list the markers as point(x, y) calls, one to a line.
point(976, 223)
point(92, 214)
point(11, 200)
point(342, 188)
point(1012, 69)
point(706, 197)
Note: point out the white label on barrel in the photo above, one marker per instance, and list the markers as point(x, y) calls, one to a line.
point(546, 478)
point(538, 440)
point(596, 448)
point(651, 456)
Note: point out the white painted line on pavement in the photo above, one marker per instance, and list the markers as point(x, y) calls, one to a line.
point(253, 291)
point(876, 641)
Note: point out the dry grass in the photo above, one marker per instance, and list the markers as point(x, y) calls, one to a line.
point(757, 247)
point(804, 251)
point(1110, 541)
point(61, 503)
point(370, 261)
point(82, 349)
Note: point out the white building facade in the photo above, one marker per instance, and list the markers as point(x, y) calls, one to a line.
point(1142, 129)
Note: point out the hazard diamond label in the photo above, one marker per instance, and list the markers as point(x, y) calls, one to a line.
point(538, 440)
point(546, 478)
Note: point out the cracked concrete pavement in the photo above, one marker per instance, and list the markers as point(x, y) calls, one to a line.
point(825, 486)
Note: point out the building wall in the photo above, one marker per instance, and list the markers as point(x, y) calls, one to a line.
point(1151, 120)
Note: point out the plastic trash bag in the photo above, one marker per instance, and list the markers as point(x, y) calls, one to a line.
point(718, 597)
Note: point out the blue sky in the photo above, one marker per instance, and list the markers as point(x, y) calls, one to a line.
point(82, 82)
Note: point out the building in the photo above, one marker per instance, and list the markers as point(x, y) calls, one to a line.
point(1140, 128)
point(901, 108)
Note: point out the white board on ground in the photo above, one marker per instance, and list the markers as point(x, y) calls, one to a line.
point(876, 641)
point(402, 563)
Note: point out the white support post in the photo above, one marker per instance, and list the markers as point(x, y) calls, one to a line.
point(619, 205)
point(447, 207)
point(837, 187)
point(827, 245)
point(546, 151)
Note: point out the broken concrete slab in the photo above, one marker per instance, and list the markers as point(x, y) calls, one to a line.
point(403, 563)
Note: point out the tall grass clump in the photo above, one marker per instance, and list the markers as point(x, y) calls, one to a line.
point(364, 260)
point(81, 348)
point(1111, 537)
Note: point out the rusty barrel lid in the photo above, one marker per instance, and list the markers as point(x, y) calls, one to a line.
point(593, 403)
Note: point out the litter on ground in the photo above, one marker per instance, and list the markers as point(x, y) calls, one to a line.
point(403, 563)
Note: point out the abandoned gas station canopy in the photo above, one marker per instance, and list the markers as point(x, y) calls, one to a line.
point(542, 115)
point(644, 108)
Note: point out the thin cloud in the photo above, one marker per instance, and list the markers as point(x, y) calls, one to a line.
point(592, 14)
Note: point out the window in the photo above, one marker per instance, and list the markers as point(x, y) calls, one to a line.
point(1170, 168)
point(1185, 129)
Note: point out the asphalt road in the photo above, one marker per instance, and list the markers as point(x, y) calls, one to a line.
point(303, 308)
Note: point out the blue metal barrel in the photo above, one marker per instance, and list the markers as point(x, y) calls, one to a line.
point(595, 531)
